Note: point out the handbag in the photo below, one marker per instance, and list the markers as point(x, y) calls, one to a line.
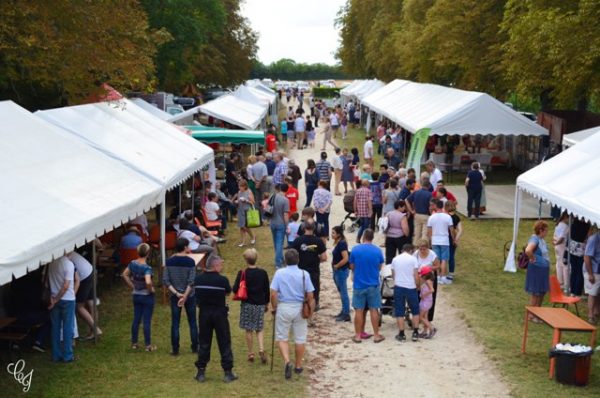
point(252, 218)
point(268, 210)
point(523, 260)
point(242, 292)
point(307, 309)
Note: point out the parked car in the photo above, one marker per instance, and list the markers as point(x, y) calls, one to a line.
point(303, 86)
point(212, 93)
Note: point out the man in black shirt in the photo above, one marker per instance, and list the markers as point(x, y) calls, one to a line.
point(312, 253)
point(211, 289)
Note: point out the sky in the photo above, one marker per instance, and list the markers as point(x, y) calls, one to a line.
point(301, 30)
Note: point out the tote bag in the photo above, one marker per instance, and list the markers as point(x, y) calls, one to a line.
point(242, 292)
point(252, 218)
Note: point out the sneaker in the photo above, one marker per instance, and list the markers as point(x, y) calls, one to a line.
point(38, 347)
point(342, 318)
point(298, 370)
point(447, 281)
point(200, 376)
point(423, 335)
point(442, 280)
point(401, 337)
point(450, 276)
point(288, 370)
point(415, 336)
point(230, 376)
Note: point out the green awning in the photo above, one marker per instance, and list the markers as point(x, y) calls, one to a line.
point(211, 135)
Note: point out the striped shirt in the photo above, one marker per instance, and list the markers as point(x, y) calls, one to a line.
point(280, 172)
point(179, 273)
point(323, 169)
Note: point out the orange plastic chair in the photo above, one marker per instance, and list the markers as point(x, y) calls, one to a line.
point(126, 256)
point(210, 224)
point(154, 236)
point(558, 297)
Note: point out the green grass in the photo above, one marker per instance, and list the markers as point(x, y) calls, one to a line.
point(112, 369)
point(493, 302)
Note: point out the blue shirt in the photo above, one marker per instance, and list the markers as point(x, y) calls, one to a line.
point(287, 282)
point(475, 179)
point(270, 166)
point(404, 193)
point(138, 277)
point(592, 249)
point(366, 259)
point(131, 241)
point(420, 201)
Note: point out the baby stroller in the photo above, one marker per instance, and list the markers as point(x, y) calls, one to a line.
point(349, 208)
point(387, 296)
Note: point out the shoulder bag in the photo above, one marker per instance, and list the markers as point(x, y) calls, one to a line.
point(252, 218)
point(307, 309)
point(268, 211)
point(242, 292)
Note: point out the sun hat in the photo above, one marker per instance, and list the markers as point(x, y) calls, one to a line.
point(425, 270)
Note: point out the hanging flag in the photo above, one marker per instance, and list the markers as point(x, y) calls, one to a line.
point(417, 147)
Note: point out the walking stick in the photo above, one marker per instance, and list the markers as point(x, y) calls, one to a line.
point(273, 344)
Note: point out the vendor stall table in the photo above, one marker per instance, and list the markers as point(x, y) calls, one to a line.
point(560, 320)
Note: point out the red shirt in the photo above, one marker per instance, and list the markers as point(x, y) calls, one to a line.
point(271, 142)
point(293, 196)
point(449, 195)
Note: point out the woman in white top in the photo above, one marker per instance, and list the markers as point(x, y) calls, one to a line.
point(427, 257)
point(560, 241)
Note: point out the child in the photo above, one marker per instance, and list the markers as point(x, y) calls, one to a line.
point(284, 131)
point(426, 302)
point(292, 228)
point(265, 200)
point(212, 209)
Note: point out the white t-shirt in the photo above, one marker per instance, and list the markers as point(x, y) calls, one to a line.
point(436, 175)
point(439, 223)
point(189, 235)
point(561, 231)
point(59, 271)
point(337, 163)
point(299, 125)
point(211, 209)
point(333, 119)
point(404, 267)
point(427, 261)
point(82, 266)
point(368, 149)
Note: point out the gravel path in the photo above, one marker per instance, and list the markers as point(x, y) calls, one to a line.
point(451, 364)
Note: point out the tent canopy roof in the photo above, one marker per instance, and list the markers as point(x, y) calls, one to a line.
point(236, 111)
point(128, 133)
point(58, 192)
point(448, 110)
point(569, 180)
point(223, 136)
point(362, 88)
point(578, 136)
point(151, 108)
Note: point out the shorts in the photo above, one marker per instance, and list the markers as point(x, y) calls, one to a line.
point(334, 128)
point(404, 295)
point(369, 297)
point(284, 137)
point(291, 135)
point(85, 291)
point(442, 251)
point(589, 288)
point(289, 316)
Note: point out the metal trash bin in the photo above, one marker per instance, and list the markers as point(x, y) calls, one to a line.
point(573, 367)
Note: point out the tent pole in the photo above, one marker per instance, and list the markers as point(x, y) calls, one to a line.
point(163, 252)
point(569, 252)
point(179, 208)
point(94, 292)
point(193, 199)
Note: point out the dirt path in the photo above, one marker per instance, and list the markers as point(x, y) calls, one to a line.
point(451, 364)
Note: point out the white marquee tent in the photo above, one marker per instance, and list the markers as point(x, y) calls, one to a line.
point(236, 111)
point(450, 111)
point(58, 192)
point(569, 180)
point(151, 109)
point(578, 136)
point(360, 89)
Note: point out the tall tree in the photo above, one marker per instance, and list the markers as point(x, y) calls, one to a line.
point(56, 52)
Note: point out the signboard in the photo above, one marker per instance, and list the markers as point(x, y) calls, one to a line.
point(417, 147)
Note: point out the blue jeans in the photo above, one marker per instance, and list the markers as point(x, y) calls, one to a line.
point(278, 233)
point(323, 222)
point(340, 277)
point(451, 260)
point(62, 316)
point(190, 311)
point(310, 190)
point(365, 222)
point(143, 306)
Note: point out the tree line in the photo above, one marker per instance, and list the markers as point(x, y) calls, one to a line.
point(58, 52)
point(546, 50)
point(288, 69)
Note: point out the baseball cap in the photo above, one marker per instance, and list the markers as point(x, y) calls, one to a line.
point(425, 270)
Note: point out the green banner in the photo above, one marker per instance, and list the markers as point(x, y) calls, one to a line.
point(417, 147)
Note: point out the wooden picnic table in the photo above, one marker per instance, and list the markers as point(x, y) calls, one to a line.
point(197, 257)
point(560, 320)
